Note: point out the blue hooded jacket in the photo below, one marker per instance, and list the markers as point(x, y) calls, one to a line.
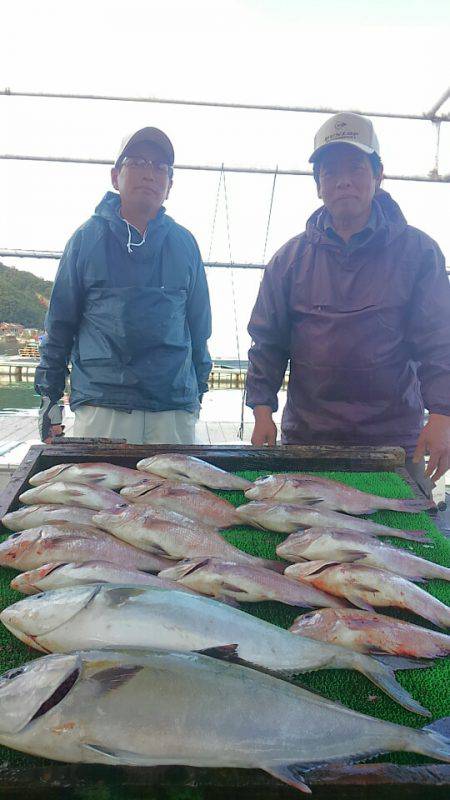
point(134, 321)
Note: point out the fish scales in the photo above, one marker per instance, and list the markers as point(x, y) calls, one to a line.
point(103, 474)
point(195, 502)
point(309, 488)
point(367, 587)
point(289, 517)
point(75, 494)
point(35, 547)
point(244, 583)
point(172, 535)
point(369, 632)
point(47, 514)
point(192, 470)
point(350, 546)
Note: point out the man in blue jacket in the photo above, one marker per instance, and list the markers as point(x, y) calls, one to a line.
point(130, 309)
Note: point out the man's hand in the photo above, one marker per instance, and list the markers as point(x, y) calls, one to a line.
point(50, 420)
point(435, 442)
point(265, 430)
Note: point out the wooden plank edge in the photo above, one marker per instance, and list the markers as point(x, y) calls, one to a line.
point(27, 468)
point(360, 775)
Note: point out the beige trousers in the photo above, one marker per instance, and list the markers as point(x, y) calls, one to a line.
point(137, 427)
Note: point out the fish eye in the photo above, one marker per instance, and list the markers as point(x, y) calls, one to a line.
point(15, 535)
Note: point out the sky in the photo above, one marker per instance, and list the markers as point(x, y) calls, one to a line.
point(385, 56)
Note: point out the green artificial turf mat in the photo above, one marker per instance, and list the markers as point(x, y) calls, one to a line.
point(429, 686)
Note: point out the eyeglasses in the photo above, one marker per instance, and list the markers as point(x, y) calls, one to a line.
point(139, 162)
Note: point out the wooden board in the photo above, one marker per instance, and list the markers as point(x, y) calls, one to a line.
point(380, 781)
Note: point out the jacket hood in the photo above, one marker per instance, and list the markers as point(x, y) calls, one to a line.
point(391, 221)
point(108, 210)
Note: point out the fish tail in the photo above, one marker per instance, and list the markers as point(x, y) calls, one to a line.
point(437, 571)
point(414, 536)
point(383, 676)
point(411, 506)
point(428, 607)
point(433, 740)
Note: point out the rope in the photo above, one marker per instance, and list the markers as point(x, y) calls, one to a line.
point(270, 216)
point(215, 214)
point(232, 274)
point(244, 391)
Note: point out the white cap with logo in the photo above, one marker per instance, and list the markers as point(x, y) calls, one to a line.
point(346, 128)
point(153, 135)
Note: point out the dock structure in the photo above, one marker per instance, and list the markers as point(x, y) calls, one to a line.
point(18, 369)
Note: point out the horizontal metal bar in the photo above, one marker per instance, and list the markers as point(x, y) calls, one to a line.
point(440, 102)
point(218, 104)
point(56, 254)
point(432, 178)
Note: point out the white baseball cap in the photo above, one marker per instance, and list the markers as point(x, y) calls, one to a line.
point(346, 128)
point(153, 135)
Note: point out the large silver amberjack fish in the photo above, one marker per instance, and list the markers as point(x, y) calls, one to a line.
point(109, 476)
point(192, 470)
point(150, 709)
point(195, 502)
point(350, 546)
point(33, 548)
point(367, 587)
point(73, 494)
point(246, 584)
point(172, 535)
point(289, 517)
point(47, 514)
point(309, 488)
point(107, 616)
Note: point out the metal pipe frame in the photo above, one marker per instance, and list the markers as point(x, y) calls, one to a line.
point(431, 178)
point(56, 254)
point(427, 116)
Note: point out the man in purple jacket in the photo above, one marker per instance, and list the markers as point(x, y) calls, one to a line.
point(359, 305)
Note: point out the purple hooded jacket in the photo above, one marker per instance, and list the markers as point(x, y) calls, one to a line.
point(366, 332)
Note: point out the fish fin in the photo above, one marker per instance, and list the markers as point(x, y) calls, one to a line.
point(223, 652)
point(115, 677)
point(353, 555)
point(354, 597)
point(157, 550)
point(227, 601)
point(383, 676)
point(196, 566)
point(438, 743)
point(414, 536)
point(116, 595)
point(288, 773)
point(117, 756)
point(401, 662)
point(230, 587)
point(441, 726)
point(309, 501)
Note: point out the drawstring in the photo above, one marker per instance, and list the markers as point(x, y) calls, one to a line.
point(131, 244)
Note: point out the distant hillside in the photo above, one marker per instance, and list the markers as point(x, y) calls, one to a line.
point(23, 297)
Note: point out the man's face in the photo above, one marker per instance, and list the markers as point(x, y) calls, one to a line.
point(346, 182)
point(143, 187)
